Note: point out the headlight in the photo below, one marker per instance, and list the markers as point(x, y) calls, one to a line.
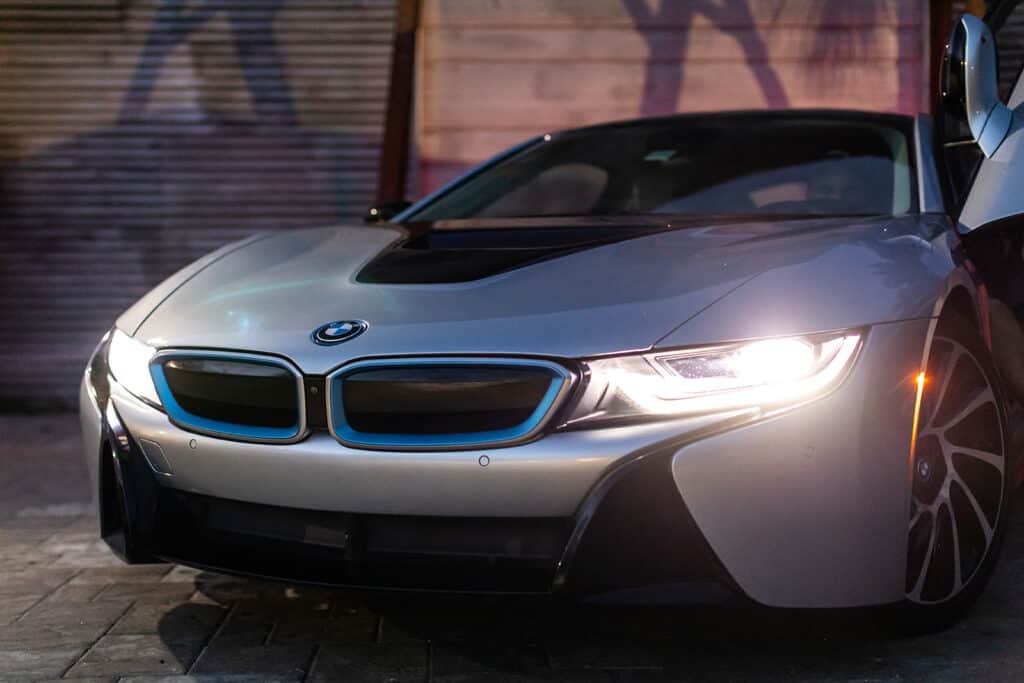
point(764, 374)
point(128, 361)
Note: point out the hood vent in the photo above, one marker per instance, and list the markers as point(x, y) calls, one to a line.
point(461, 255)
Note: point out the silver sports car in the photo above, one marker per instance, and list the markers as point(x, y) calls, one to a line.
point(748, 356)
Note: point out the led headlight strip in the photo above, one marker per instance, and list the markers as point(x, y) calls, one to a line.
point(765, 374)
point(128, 360)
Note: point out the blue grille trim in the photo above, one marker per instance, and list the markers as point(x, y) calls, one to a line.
point(228, 430)
point(560, 383)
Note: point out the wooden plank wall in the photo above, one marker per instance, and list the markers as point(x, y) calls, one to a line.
point(492, 72)
point(136, 135)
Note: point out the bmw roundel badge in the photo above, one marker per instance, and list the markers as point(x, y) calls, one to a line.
point(339, 331)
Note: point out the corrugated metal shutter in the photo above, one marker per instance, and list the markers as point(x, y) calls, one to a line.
point(136, 136)
point(1010, 41)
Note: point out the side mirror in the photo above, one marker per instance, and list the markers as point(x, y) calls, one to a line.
point(970, 83)
point(381, 213)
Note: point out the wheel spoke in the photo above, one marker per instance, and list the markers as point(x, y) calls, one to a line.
point(927, 562)
point(986, 528)
point(993, 459)
point(978, 401)
point(957, 573)
point(945, 375)
point(917, 516)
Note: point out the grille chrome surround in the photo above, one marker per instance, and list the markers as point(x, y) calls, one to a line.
point(561, 384)
point(228, 430)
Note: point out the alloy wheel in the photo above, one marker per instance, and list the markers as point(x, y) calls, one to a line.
point(958, 475)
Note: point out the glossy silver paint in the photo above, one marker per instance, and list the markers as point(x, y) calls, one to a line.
point(988, 118)
point(92, 432)
point(548, 477)
point(995, 193)
point(806, 508)
point(130, 320)
point(267, 296)
point(823, 486)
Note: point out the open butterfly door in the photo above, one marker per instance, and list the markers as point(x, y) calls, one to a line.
point(980, 123)
point(980, 132)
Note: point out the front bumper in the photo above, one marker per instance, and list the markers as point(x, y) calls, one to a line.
point(807, 508)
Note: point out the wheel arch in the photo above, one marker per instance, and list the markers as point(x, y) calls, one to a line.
point(963, 295)
point(960, 301)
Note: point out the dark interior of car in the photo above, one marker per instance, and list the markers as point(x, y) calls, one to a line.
point(723, 164)
point(997, 253)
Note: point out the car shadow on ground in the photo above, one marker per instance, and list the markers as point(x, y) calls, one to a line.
point(440, 637)
point(71, 608)
point(320, 634)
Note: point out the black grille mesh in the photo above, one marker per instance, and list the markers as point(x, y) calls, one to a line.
point(237, 392)
point(442, 399)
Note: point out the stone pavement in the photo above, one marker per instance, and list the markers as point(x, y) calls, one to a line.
point(70, 610)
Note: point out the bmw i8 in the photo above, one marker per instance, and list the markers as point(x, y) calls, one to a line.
point(740, 356)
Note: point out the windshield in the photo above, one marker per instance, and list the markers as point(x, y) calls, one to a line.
point(759, 164)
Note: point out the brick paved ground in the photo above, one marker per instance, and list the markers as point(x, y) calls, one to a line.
point(68, 609)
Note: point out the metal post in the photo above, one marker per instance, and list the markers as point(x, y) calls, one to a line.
point(394, 157)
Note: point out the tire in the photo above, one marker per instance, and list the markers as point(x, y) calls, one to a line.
point(960, 502)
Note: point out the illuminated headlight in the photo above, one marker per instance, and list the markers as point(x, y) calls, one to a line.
point(766, 374)
point(128, 360)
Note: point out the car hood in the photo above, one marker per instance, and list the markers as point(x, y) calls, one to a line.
point(622, 286)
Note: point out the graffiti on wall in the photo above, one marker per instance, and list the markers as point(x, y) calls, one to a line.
point(684, 13)
point(219, 119)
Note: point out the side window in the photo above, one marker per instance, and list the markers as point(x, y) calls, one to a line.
point(1007, 23)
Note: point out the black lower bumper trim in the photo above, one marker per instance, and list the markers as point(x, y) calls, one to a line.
point(373, 551)
point(641, 545)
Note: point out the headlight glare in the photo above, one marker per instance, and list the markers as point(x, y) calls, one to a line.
point(764, 374)
point(128, 360)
